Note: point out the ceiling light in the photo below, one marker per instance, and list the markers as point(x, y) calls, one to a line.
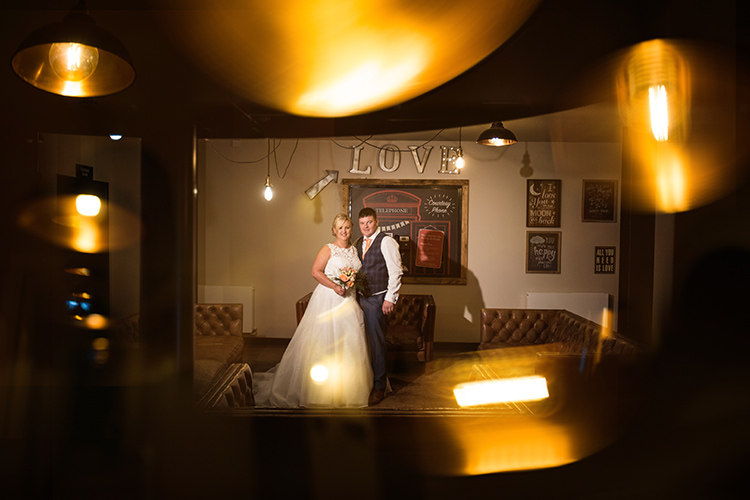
point(497, 135)
point(74, 58)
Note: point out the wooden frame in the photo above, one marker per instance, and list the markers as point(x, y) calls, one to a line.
point(543, 199)
point(599, 201)
point(429, 219)
point(543, 251)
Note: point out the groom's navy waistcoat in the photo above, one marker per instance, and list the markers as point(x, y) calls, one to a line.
point(373, 265)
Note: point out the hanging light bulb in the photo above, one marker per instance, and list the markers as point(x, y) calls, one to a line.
point(460, 162)
point(268, 192)
point(73, 62)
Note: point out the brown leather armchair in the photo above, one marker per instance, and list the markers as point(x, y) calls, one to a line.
point(411, 326)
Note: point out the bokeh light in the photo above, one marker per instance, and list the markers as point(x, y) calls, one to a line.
point(342, 57)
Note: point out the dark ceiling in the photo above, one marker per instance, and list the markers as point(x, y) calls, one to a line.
point(538, 71)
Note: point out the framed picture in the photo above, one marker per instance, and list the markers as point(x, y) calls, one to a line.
point(543, 251)
point(429, 219)
point(599, 201)
point(604, 260)
point(543, 198)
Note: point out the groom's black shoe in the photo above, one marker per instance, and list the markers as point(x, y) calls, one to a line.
point(376, 396)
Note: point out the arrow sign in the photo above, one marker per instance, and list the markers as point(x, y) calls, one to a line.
point(331, 175)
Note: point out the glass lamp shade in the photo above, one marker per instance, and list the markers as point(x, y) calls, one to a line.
point(74, 58)
point(497, 135)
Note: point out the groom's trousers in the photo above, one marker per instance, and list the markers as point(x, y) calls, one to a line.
point(376, 324)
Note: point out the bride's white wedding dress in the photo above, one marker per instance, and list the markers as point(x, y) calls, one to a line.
point(329, 344)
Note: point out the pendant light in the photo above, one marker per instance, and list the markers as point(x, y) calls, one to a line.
point(74, 58)
point(268, 191)
point(497, 135)
point(460, 162)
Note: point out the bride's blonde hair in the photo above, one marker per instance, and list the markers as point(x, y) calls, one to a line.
point(342, 217)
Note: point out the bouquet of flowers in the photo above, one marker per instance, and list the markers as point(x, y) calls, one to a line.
point(350, 278)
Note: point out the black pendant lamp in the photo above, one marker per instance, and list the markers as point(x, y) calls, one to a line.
point(497, 135)
point(74, 58)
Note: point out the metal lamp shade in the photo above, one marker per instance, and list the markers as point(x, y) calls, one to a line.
point(497, 135)
point(113, 73)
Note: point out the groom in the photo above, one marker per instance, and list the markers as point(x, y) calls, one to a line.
point(381, 263)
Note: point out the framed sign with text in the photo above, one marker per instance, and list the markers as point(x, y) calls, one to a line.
point(599, 201)
point(429, 219)
point(604, 260)
point(543, 251)
point(543, 202)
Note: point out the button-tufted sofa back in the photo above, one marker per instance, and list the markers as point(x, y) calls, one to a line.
point(212, 320)
point(411, 310)
point(512, 327)
point(570, 332)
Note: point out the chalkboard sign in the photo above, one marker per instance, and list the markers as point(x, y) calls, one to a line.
point(429, 219)
point(604, 260)
point(543, 202)
point(543, 251)
point(599, 201)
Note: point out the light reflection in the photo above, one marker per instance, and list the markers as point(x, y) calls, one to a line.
point(88, 204)
point(86, 238)
point(677, 100)
point(97, 322)
point(99, 351)
point(659, 112)
point(654, 89)
point(319, 373)
point(359, 89)
point(671, 182)
point(509, 390)
point(72, 89)
point(514, 446)
point(338, 58)
point(80, 271)
point(573, 414)
point(57, 220)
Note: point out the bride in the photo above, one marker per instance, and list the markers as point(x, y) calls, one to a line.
point(326, 363)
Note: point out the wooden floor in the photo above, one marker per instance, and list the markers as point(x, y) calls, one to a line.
point(264, 353)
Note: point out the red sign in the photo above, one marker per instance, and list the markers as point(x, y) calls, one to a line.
point(430, 248)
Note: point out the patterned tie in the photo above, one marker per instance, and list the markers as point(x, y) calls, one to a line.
point(367, 246)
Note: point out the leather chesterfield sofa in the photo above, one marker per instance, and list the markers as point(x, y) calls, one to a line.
point(411, 326)
point(558, 329)
point(220, 378)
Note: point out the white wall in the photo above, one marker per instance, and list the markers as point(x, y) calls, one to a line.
point(243, 240)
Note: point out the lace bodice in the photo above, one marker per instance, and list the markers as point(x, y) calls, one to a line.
point(340, 258)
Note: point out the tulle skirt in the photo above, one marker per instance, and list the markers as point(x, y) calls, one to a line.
point(327, 362)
